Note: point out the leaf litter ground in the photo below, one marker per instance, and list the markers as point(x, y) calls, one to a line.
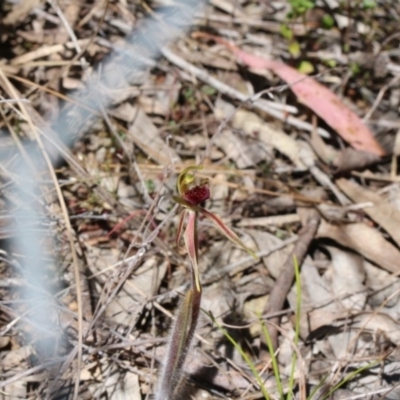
point(280, 176)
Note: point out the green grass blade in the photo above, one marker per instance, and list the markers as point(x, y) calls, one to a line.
point(274, 360)
point(245, 358)
point(349, 377)
point(320, 384)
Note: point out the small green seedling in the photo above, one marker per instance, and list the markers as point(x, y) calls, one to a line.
point(289, 389)
point(300, 7)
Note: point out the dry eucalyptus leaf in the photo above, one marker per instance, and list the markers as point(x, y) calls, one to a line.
point(348, 276)
point(343, 343)
point(245, 154)
point(385, 286)
point(139, 288)
point(326, 104)
point(320, 297)
point(251, 124)
point(20, 11)
point(145, 135)
point(382, 212)
point(152, 105)
point(275, 261)
point(125, 112)
point(365, 240)
point(217, 298)
point(118, 384)
point(375, 322)
point(274, 220)
point(128, 387)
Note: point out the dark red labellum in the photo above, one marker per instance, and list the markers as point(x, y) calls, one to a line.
point(197, 194)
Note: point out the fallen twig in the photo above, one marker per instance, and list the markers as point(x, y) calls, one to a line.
point(285, 279)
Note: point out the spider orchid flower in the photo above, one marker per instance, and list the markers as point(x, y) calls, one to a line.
point(191, 197)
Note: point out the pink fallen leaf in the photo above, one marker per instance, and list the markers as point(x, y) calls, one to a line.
point(316, 96)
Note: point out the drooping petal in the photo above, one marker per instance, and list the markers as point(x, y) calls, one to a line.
point(228, 232)
point(180, 226)
point(192, 246)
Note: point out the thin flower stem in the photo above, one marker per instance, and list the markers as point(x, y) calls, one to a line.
point(192, 246)
point(177, 350)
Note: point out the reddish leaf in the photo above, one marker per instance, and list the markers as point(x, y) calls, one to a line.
point(317, 97)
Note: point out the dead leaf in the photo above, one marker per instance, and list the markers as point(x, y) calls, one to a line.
point(20, 11)
point(124, 112)
point(274, 262)
point(244, 154)
point(252, 125)
point(348, 276)
point(322, 101)
point(342, 160)
point(384, 286)
point(146, 136)
point(365, 240)
point(378, 322)
point(317, 296)
point(317, 97)
point(382, 212)
point(128, 387)
point(325, 152)
point(120, 384)
point(349, 159)
point(145, 281)
point(275, 220)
